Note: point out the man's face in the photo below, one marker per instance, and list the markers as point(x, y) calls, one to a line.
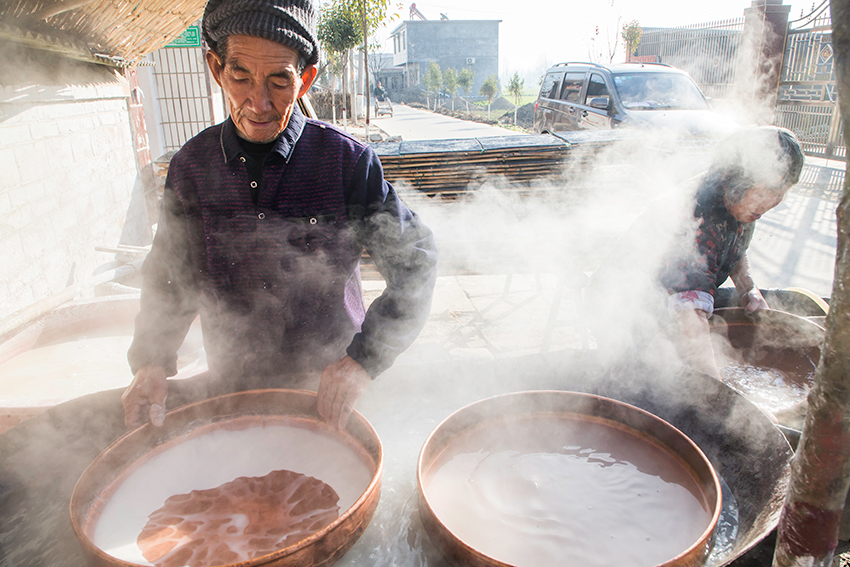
point(754, 204)
point(261, 83)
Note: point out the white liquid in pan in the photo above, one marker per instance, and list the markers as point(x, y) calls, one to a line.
point(768, 388)
point(84, 363)
point(566, 492)
point(220, 456)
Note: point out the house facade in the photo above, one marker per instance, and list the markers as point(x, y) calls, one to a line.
point(457, 44)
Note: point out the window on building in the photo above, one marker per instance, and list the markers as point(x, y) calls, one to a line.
point(572, 86)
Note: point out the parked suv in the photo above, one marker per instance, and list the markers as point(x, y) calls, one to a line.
point(589, 96)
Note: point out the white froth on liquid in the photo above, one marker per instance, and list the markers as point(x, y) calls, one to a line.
point(217, 457)
point(587, 502)
point(768, 388)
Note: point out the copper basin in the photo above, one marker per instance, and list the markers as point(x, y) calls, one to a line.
point(489, 429)
point(128, 464)
point(785, 347)
point(76, 349)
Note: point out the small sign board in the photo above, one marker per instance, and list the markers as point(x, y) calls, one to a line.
point(191, 37)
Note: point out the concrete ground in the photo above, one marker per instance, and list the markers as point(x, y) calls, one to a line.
point(416, 124)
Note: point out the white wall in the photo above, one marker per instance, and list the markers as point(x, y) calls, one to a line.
point(68, 175)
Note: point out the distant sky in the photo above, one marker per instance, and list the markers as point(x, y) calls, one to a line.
point(537, 33)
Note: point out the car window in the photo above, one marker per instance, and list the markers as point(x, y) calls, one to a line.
point(595, 87)
point(572, 86)
point(650, 91)
point(551, 85)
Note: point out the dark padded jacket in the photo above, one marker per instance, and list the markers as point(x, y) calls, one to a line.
point(277, 283)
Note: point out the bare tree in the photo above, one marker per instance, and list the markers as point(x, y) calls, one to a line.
point(377, 63)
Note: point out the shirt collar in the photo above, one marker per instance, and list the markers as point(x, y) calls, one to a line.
point(710, 202)
point(285, 143)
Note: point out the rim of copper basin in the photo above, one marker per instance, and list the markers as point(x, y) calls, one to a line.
point(125, 452)
point(459, 552)
point(739, 316)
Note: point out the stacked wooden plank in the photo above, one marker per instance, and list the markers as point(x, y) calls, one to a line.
point(439, 166)
point(450, 167)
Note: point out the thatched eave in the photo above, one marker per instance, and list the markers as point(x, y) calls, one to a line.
point(111, 32)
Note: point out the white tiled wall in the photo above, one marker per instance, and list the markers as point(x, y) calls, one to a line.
point(67, 173)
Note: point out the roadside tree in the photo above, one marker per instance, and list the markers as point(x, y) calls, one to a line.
point(464, 81)
point(807, 534)
point(371, 15)
point(338, 32)
point(631, 35)
point(489, 88)
point(433, 80)
point(450, 83)
point(516, 87)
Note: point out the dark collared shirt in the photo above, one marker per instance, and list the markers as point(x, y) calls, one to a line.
point(276, 280)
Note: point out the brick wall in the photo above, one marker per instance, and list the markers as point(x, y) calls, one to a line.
point(68, 175)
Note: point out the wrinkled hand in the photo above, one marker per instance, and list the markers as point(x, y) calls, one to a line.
point(144, 398)
point(341, 385)
point(753, 301)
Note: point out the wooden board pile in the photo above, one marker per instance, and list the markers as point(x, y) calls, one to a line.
point(450, 167)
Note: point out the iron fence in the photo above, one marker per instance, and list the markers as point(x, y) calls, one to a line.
point(808, 95)
point(707, 51)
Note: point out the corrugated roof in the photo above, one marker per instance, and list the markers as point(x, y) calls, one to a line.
point(108, 31)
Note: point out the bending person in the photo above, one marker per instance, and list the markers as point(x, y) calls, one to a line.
point(688, 247)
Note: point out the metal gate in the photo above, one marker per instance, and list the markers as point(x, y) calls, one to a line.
point(808, 93)
point(184, 93)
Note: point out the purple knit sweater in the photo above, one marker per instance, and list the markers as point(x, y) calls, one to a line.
point(277, 284)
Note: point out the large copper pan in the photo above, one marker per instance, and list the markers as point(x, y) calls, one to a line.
point(474, 421)
point(787, 344)
point(113, 466)
point(76, 349)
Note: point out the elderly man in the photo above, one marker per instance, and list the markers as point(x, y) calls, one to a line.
point(264, 220)
point(686, 245)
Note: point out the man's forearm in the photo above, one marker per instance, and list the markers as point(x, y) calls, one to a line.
point(169, 300)
point(408, 262)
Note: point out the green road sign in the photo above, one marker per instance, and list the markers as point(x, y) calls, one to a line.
point(191, 37)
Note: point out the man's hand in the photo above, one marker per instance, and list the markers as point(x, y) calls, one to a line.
point(753, 300)
point(341, 385)
point(145, 397)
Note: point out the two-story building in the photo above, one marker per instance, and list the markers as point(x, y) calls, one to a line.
point(458, 44)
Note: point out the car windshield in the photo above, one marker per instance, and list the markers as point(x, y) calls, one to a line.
point(658, 91)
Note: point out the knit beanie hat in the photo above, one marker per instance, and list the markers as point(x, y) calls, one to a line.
point(290, 22)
